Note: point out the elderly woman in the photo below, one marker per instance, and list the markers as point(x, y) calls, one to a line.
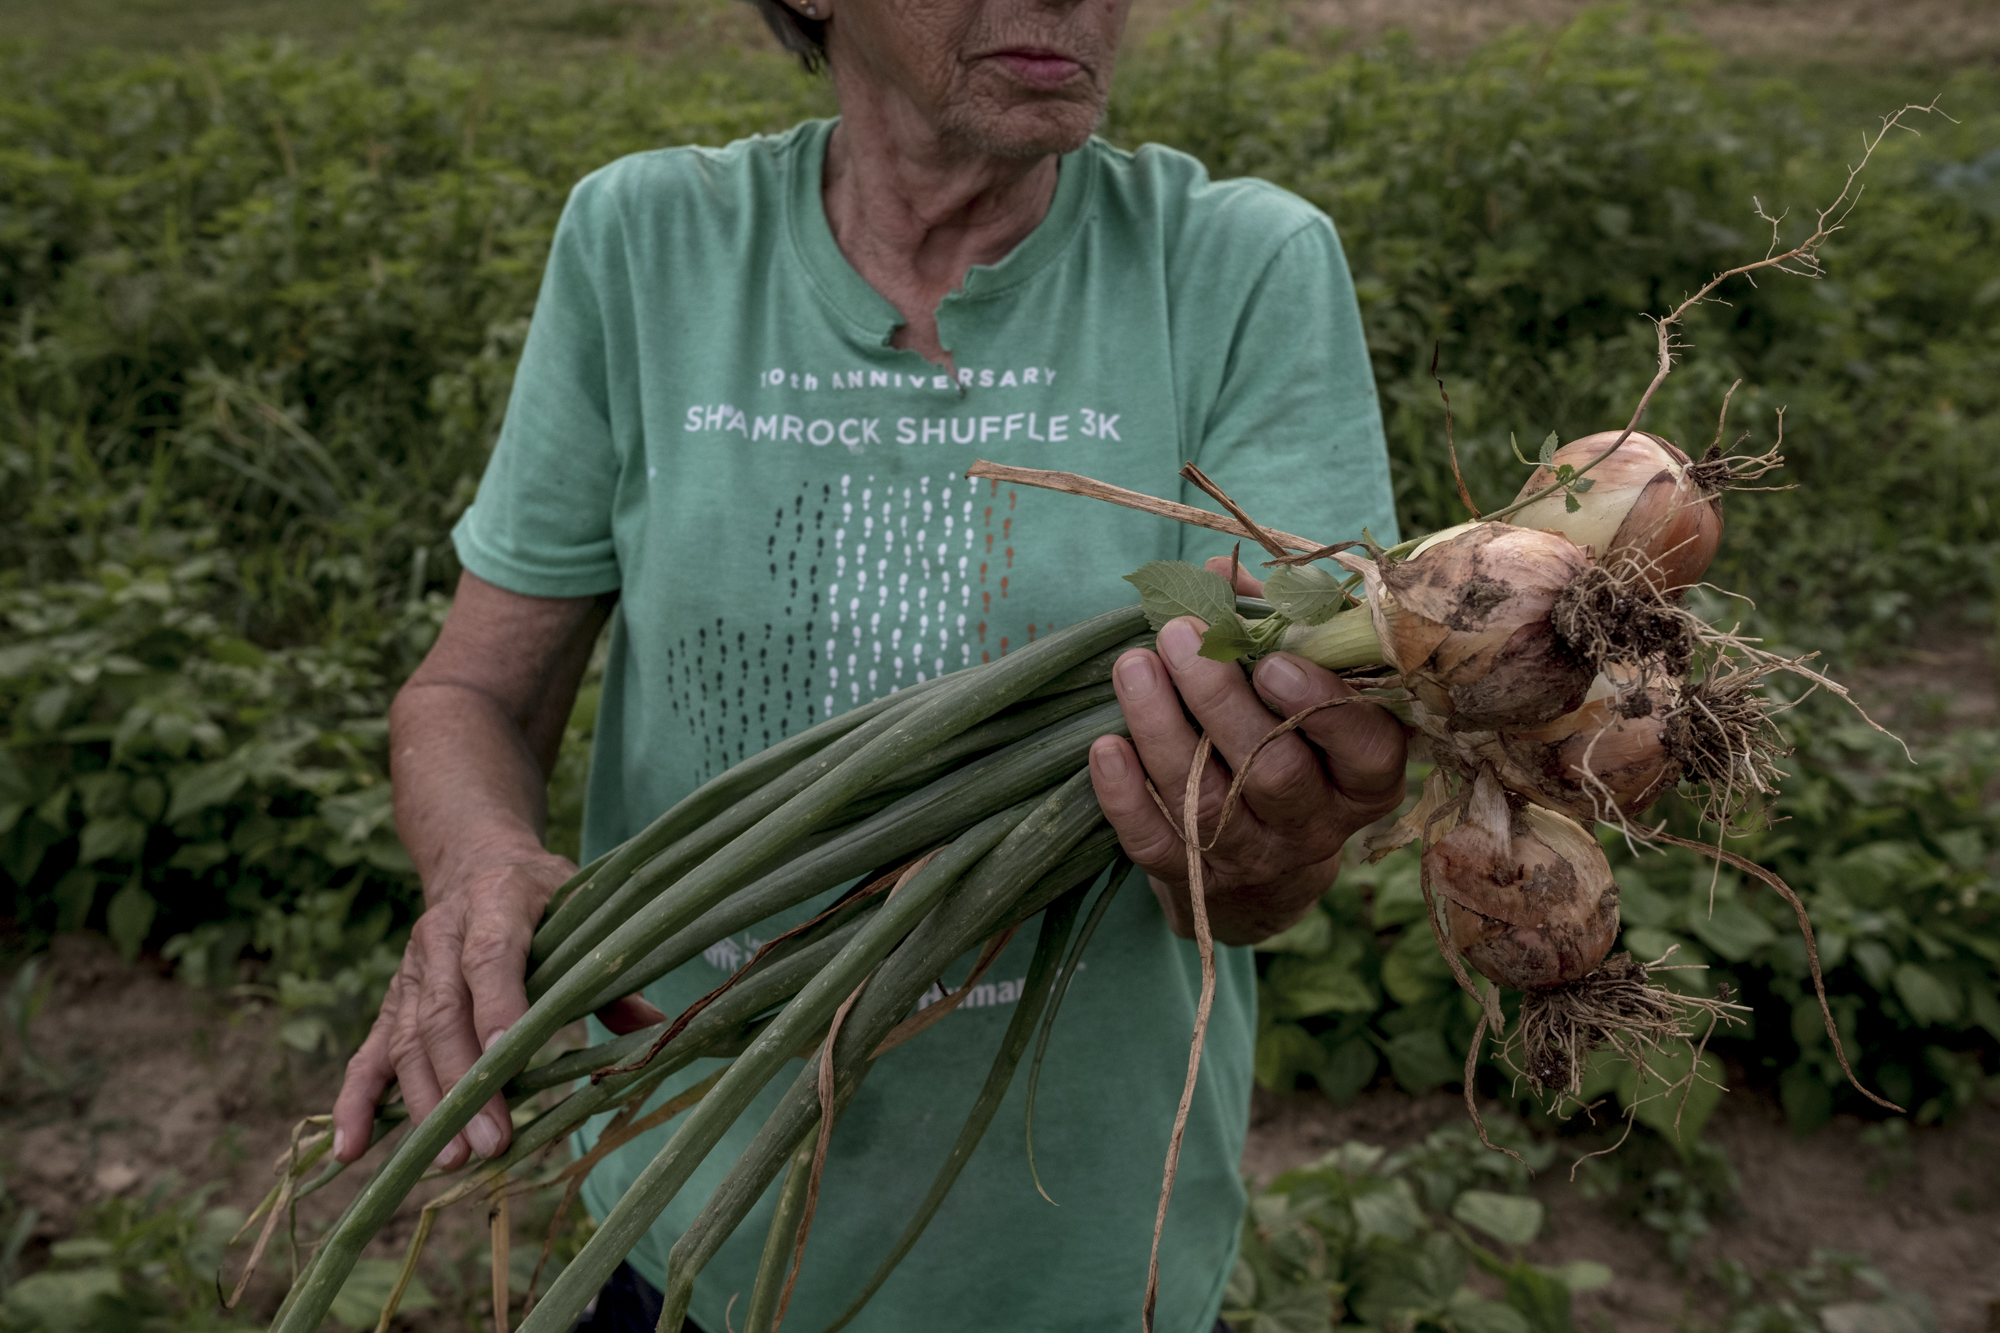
point(755, 378)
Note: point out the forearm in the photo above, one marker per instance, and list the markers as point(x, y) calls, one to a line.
point(468, 784)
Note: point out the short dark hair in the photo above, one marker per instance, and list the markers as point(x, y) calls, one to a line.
point(803, 37)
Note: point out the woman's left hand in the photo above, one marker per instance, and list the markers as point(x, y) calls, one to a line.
point(1307, 793)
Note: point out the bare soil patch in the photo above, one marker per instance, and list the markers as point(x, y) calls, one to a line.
point(158, 1082)
point(167, 1083)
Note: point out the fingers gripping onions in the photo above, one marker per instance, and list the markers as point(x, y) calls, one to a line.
point(1644, 505)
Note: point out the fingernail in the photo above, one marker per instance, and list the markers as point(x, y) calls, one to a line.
point(447, 1157)
point(1135, 676)
point(1180, 644)
point(339, 1143)
point(483, 1135)
point(493, 1036)
point(1109, 756)
point(1281, 679)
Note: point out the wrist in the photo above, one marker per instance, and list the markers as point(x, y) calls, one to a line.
point(504, 856)
point(1247, 913)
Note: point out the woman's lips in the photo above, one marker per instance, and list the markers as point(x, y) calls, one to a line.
point(1038, 69)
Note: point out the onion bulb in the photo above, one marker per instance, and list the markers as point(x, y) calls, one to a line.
point(1469, 626)
point(1528, 894)
point(1642, 507)
point(1609, 757)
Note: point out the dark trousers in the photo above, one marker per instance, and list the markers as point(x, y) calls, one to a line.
point(627, 1303)
point(630, 1304)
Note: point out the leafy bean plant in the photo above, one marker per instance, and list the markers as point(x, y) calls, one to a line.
point(165, 779)
point(134, 1264)
point(1366, 1238)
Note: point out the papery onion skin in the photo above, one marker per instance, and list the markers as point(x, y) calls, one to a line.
point(1469, 626)
point(1528, 894)
point(1600, 761)
point(1642, 506)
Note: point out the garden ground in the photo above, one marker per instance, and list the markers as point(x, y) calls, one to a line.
point(160, 1081)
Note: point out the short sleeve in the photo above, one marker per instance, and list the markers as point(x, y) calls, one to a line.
point(541, 524)
point(1294, 433)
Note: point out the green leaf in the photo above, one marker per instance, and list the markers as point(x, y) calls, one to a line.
point(62, 1301)
point(1985, 1008)
point(367, 1289)
point(75, 894)
point(129, 919)
point(197, 789)
point(1570, 503)
point(1170, 588)
point(1227, 640)
point(1581, 1274)
point(1931, 1001)
point(1412, 970)
point(199, 856)
point(1549, 446)
point(13, 782)
point(1305, 593)
point(1421, 1061)
point(1302, 1309)
point(1387, 1208)
point(1312, 934)
point(117, 838)
point(1539, 1296)
point(1470, 1313)
point(1285, 1051)
point(1808, 1102)
point(1733, 930)
point(1689, 1105)
point(1399, 893)
point(1326, 984)
point(1407, 1280)
point(1349, 1067)
point(1510, 1219)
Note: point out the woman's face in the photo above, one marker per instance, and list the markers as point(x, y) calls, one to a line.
point(1011, 78)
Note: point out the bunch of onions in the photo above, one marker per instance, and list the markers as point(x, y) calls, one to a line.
point(1643, 506)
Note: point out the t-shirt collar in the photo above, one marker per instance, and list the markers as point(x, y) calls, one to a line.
point(866, 309)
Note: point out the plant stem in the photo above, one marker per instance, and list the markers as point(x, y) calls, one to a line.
point(1347, 641)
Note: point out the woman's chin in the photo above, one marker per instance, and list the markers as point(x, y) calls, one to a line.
point(1012, 122)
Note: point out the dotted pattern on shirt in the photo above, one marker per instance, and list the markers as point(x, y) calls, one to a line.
point(877, 585)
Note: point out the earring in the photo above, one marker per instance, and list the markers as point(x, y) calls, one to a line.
point(811, 9)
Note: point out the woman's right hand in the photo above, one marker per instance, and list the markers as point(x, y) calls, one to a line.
point(473, 736)
point(461, 984)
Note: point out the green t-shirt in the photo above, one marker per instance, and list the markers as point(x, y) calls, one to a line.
point(708, 417)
